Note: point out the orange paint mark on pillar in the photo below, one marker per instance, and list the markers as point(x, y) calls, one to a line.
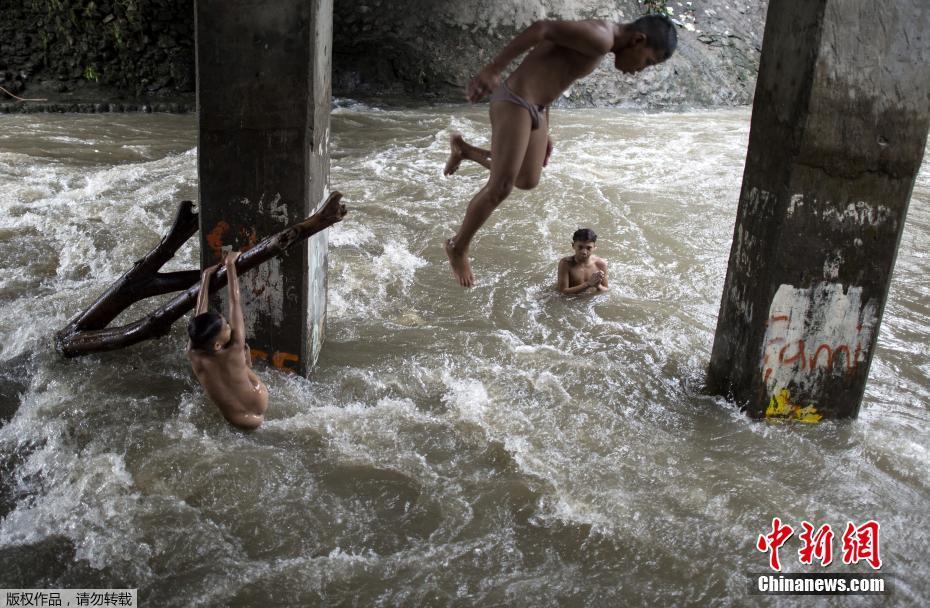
point(215, 239)
point(258, 354)
point(279, 359)
point(250, 237)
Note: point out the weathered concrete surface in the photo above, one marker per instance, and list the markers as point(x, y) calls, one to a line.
point(840, 121)
point(264, 99)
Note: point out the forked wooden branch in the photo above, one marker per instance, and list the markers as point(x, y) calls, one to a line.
point(88, 333)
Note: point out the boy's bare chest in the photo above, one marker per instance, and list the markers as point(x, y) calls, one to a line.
point(579, 273)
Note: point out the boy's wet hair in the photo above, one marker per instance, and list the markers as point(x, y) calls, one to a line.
point(203, 328)
point(584, 234)
point(660, 33)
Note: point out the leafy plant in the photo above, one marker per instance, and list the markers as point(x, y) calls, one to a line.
point(657, 7)
point(91, 74)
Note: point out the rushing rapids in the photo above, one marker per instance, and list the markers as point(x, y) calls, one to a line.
point(497, 446)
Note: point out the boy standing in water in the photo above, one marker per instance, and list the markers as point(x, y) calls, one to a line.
point(220, 357)
point(562, 52)
point(583, 271)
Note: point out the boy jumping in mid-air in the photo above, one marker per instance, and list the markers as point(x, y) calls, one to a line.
point(583, 271)
point(562, 52)
point(220, 357)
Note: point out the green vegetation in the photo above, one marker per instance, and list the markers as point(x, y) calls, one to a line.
point(657, 7)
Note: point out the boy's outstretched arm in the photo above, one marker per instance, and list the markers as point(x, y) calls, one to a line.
point(591, 37)
point(236, 322)
point(203, 298)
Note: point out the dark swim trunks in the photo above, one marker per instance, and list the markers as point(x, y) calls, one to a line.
point(503, 93)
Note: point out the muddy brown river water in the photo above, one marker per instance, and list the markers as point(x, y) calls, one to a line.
point(502, 446)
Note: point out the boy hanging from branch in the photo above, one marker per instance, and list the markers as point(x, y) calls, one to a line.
point(220, 357)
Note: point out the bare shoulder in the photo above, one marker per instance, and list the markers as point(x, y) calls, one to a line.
point(600, 263)
point(599, 24)
point(600, 28)
point(233, 351)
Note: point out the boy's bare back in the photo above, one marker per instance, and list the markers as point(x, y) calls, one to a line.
point(231, 385)
point(223, 366)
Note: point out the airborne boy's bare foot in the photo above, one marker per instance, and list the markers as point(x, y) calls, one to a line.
point(460, 266)
point(455, 156)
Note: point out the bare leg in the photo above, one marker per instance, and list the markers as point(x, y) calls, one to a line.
point(510, 134)
point(462, 150)
point(532, 167)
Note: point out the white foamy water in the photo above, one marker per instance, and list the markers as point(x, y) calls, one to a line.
point(497, 446)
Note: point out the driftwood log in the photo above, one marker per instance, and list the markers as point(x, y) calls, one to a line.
point(88, 333)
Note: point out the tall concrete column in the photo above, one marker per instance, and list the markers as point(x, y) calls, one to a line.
point(263, 96)
point(839, 126)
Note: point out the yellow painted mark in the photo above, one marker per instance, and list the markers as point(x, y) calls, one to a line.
point(780, 406)
point(808, 415)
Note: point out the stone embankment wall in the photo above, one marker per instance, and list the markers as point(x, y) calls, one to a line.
point(108, 54)
point(430, 48)
point(139, 54)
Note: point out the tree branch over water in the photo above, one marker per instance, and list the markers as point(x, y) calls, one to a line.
point(88, 333)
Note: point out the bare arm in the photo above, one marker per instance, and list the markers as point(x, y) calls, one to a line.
point(592, 37)
point(236, 322)
point(602, 266)
point(203, 298)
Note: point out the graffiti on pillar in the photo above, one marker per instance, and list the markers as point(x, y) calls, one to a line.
point(284, 361)
point(248, 237)
point(215, 239)
point(272, 207)
point(859, 213)
point(781, 407)
point(812, 333)
point(263, 295)
point(281, 359)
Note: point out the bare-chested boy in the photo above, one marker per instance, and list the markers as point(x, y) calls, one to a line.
point(562, 52)
point(582, 271)
point(220, 357)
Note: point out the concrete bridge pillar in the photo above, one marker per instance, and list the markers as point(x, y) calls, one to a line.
point(839, 127)
point(263, 97)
